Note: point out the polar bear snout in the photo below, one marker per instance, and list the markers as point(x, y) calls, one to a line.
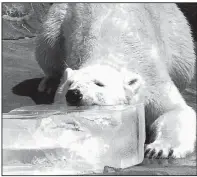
point(73, 97)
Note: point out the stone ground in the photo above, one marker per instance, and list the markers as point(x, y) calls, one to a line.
point(21, 76)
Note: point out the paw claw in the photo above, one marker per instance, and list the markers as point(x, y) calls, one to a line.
point(170, 153)
point(159, 155)
point(152, 153)
point(157, 150)
point(147, 151)
point(163, 149)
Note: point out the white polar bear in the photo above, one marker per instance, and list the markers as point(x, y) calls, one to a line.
point(120, 51)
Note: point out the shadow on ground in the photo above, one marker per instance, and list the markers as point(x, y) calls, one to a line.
point(29, 88)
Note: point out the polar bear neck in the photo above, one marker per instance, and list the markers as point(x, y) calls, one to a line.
point(106, 34)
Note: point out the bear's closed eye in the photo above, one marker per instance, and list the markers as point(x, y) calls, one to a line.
point(132, 81)
point(98, 83)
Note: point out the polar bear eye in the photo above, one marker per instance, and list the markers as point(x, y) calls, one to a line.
point(99, 84)
point(132, 81)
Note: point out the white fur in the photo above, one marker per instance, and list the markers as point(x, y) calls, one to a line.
point(176, 130)
point(116, 43)
point(114, 92)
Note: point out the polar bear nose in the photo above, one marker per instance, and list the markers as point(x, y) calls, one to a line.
point(73, 97)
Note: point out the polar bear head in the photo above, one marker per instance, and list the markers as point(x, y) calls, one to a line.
point(98, 85)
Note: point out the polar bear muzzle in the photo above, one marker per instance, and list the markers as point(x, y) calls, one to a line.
point(73, 97)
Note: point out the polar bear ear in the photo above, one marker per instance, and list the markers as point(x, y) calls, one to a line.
point(67, 73)
point(132, 81)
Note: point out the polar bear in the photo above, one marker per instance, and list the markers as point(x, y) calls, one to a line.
point(110, 53)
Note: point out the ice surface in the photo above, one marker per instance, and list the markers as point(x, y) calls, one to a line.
point(52, 139)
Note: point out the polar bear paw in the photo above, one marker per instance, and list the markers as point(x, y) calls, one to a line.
point(48, 85)
point(43, 85)
point(163, 149)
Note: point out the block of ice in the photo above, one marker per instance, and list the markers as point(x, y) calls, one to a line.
point(53, 139)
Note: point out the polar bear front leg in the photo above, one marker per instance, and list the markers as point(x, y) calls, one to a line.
point(50, 50)
point(175, 129)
